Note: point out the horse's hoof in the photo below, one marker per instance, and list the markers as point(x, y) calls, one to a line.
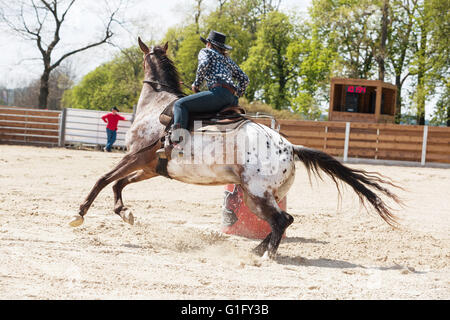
point(258, 251)
point(78, 221)
point(269, 255)
point(128, 217)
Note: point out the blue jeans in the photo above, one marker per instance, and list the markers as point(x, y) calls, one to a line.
point(210, 101)
point(111, 136)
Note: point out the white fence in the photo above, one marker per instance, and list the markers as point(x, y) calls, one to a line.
point(87, 127)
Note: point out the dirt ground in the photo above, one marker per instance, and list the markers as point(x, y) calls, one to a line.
point(176, 249)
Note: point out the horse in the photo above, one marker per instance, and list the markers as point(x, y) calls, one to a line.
point(265, 171)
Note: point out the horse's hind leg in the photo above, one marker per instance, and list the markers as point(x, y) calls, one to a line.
point(262, 247)
point(267, 209)
point(122, 183)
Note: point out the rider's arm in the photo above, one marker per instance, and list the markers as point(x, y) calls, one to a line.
point(242, 79)
point(203, 64)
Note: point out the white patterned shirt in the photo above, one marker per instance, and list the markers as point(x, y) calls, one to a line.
point(217, 68)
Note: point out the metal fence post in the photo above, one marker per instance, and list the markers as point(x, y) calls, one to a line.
point(62, 128)
point(424, 145)
point(347, 138)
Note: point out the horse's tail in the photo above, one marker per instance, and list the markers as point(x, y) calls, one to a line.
point(360, 180)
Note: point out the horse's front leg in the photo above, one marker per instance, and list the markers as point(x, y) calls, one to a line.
point(119, 207)
point(129, 164)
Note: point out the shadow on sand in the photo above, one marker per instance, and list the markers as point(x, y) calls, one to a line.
point(321, 262)
point(329, 263)
point(302, 240)
point(337, 264)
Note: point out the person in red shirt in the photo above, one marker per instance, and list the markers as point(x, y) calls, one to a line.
point(112, 120)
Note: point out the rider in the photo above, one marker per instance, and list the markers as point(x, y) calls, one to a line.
point(218, 70)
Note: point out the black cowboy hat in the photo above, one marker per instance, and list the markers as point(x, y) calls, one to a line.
point(217, 39)
point(115, 108)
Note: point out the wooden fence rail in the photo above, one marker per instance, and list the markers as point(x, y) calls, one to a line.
point(29, 126)
point(372, 140)
point(420, 144)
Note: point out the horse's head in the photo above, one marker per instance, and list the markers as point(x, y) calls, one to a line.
point(159, 69)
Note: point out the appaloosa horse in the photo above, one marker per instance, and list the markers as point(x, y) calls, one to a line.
point(258, 159)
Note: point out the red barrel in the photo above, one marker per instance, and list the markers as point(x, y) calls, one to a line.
point(239, 220)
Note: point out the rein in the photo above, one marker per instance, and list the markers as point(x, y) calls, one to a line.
point(164, 84)
point(156, 82)
point(150, 82)
point(161, 84)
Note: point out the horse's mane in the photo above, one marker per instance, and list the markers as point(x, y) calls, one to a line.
point(170, 75)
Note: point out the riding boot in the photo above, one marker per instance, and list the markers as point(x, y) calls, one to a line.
point(170, 141)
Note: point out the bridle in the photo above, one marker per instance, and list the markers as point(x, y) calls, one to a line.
point(151, 82)
point(156, 82)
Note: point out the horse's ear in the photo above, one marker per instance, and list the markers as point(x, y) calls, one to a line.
point(143, 46)
point(166, 46)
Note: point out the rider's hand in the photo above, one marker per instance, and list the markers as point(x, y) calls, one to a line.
point(195, 89)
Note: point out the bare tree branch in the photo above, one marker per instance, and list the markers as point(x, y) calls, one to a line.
point(38, 29)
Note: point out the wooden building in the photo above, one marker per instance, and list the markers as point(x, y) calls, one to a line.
point(359, 100)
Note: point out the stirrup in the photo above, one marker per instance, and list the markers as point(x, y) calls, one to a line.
point(172, 142)
point(161, 153)
point(166, 151)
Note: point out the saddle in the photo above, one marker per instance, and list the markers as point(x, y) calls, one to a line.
point(228, 118)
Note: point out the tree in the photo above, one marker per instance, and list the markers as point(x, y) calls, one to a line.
point(42, 22)
point(430, 64)
point(237, 20)
point(350, 28)
point(115, 83)
point(61, 79)
point(399, 45)
point(197, 14)
point(186, 58)
point(381, 55)
point(314, 63)
point(267, 66)
point(442, 114)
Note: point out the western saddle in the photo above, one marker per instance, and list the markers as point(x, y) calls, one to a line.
point(222, 119)
point(226, 120)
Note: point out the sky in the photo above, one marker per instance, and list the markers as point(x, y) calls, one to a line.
point(19, 59)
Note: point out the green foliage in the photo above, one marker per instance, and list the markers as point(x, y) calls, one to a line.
point(430, 62)
point(239, 31)
point(350, 28)
point(306, 105)
point(441, 116)
point(268, 66)
point(116, 83)
point(187, 55)
point(290, 59)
